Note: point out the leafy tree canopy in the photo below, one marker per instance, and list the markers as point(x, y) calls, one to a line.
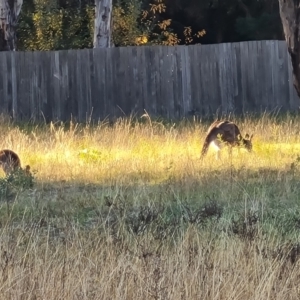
point(68, 24)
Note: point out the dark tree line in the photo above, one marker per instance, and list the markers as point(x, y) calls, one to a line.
point(228, 20)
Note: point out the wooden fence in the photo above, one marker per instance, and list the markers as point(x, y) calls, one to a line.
point(171, 82)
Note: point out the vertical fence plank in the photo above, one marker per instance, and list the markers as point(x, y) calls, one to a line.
point(116, 82)
point(256, 104)
point(202, 102)
point(271, 101)
point(250, 80)
point(181, 109)
point(123, 101)
point(176, 103)
point(274, 76)
point(55, 70)
point(212, 83)
point(6, 105)
point(168, 89)
point(64, 89)
point(245, 70)
point(109, 84)
point(98, 85)
point(164, 81)
point(86, 80)
point(81, 109)
point(144, 78)
point(19, 57)
point(137, 78)
point(25, 85)
point(227, 83)
point(196, 101)
point(186, 78)
point(34, 88)
point(46, 111)
point(150, 69)
point(260, 77)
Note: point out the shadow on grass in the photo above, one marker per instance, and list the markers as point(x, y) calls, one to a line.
point(238, 202)
point(246, 205)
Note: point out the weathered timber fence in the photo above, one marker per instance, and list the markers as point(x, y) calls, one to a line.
point(166, 81)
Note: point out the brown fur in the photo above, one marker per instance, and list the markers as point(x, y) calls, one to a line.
point(10, 161)
point(228, 133)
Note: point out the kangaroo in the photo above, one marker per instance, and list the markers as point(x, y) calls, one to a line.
point(221, 133)
point(10, 161)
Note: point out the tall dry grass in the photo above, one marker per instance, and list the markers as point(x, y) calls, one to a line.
point(128, 211)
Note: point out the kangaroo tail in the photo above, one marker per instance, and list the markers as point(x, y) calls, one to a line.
point(205, 146)
point(209, 138)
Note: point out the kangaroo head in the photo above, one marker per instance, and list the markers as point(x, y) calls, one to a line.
point(27, 170)
point(247, 141)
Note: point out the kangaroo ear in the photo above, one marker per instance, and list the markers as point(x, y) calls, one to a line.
point(247, 136)
point(27, 169)
point(251, 136)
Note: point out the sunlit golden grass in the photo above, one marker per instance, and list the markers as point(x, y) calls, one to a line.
point(149, 152)
point(128, 211)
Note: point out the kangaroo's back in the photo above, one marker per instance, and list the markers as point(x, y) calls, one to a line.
point(229, 132)
point(9, 160)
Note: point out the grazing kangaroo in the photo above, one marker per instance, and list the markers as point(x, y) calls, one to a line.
point(10, 161)
point(222, 133)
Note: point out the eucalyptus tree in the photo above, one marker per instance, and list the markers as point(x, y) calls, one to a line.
point(9, 13)
point(103, 24)
point(290, 17)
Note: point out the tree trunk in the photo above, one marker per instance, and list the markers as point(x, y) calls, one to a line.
point(9, 12)
point(102, 30)
point(290, 18)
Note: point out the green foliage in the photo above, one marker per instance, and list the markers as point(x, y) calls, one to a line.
point(55, 25)
point(91, 155)
point(133, 25)
point(19, 179)
point(138, 24)
point(126, 28)
point(44, 25)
